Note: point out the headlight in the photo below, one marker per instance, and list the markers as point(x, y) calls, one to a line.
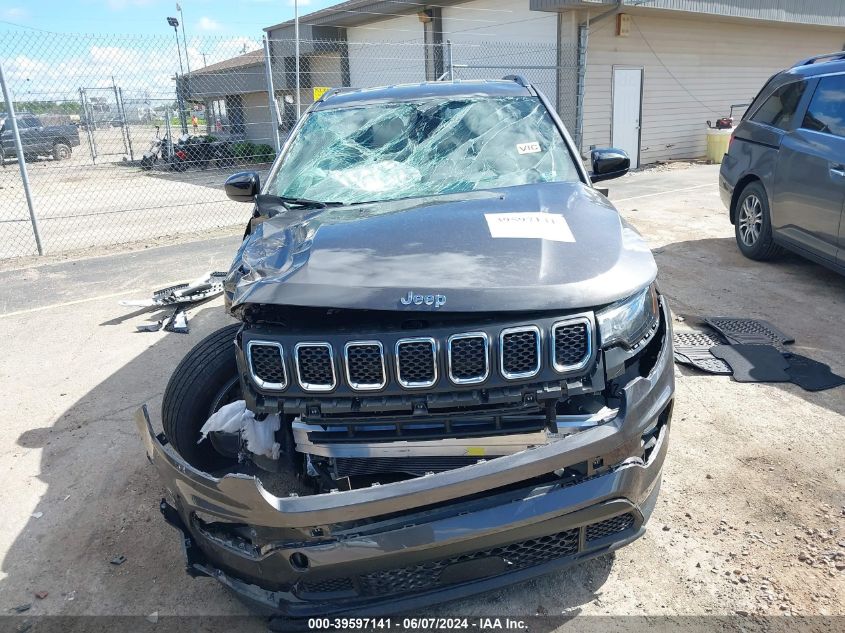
point(629, 321)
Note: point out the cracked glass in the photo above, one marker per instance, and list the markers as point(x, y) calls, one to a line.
point(388, 151)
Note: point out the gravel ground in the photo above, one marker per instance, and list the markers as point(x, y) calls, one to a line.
point(82, 205)
point(751, 517)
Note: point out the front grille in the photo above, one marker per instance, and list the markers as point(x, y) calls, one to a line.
point(365, 365)
point(571, 344)
point(416, 364)
point(468, 358)
point(520, 352)
point(332, 585)
point(610, 526)
point(267, 364)
point(428, 575)
point(435, 574)
point(491, 356)
point(315, 366)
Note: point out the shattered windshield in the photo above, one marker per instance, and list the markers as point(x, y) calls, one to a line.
point(388, 151)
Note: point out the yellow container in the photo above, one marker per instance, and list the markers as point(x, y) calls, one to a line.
point(717, 144)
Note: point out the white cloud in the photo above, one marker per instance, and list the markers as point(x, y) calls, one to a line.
point(120, 5)
point(207, 24)
point(14, 13)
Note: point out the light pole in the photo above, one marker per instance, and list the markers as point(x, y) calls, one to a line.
point(184, 123)
point(184, 37)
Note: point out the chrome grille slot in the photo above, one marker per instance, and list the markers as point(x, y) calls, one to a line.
point(469, 358)
point(267, 364)
point(519, 352)
point(571, 344)
point(364, 361)
point(416, 362)
point(315, 366)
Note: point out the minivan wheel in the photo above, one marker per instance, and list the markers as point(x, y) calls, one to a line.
point(753, 226)
point(205, 380)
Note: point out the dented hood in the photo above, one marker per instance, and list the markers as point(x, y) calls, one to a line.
point(550, 246)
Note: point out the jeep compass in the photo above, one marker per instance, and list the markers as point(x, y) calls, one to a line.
point(452, 369)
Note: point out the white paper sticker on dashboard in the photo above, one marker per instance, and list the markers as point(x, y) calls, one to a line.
point(541, 226)
point(528, 148)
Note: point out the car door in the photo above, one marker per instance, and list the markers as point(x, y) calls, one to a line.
point(809, 183)
point(28, 129)
point(7, 141)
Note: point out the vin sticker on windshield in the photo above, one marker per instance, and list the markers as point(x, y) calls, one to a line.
point(540, 226)
point(528, 148)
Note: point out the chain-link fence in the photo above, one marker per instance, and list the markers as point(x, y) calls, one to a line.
point(127, 139)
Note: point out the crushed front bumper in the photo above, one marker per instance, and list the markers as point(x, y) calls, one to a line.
point(438, 537)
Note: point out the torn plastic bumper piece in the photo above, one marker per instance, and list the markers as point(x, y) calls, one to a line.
point(439, 537)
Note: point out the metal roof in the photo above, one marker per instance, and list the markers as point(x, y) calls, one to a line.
point(247, 59)
point(816, 12)
point(354, 12)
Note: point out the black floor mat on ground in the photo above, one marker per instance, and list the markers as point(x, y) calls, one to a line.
point(749, 331)
point(810, 374)
point(692, 347)
point(754, 363)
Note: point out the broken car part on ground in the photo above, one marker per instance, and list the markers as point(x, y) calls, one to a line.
point(431, 396)
point(179, 297)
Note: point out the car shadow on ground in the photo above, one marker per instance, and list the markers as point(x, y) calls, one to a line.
point(100, 498)
point(710, 277)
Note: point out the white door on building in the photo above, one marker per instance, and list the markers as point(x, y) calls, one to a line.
point(627, 100)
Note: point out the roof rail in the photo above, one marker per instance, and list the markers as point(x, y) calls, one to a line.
point(518, 79)
point(816, 58)
point(331, 91)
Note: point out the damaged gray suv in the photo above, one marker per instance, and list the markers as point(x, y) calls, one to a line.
point(452, 371)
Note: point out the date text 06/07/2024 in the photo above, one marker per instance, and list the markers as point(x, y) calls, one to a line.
point(420, 624)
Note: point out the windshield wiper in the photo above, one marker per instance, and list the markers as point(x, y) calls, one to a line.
point(304, 203)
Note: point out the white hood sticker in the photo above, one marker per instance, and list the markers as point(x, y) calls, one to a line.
point(541, 226)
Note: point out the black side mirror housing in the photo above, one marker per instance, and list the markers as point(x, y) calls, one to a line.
point(243, 186)
point(608, 162)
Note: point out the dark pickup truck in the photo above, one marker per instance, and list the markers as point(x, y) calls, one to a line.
point(36, 138)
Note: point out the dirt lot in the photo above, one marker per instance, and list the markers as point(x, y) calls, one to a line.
point(751, 517)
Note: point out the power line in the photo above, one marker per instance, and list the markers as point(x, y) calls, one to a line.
point(670, 73)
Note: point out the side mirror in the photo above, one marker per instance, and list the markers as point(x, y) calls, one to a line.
point(608, 162)
point(243, 186)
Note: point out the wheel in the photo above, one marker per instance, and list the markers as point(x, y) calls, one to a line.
point(61, 151)
point(205, 380)
point(753, 227)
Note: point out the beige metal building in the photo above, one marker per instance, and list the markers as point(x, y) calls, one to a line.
point(643, 75)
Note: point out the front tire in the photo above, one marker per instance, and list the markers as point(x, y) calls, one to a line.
point(753, 226)
point(205, 380)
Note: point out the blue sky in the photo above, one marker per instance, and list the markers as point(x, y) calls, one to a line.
point(147, 17)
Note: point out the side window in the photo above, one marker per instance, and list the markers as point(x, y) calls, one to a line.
point(826, 112)
point(27, 122)
point(778, 109)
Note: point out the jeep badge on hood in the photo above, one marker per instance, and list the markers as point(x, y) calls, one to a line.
point(430, 300)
